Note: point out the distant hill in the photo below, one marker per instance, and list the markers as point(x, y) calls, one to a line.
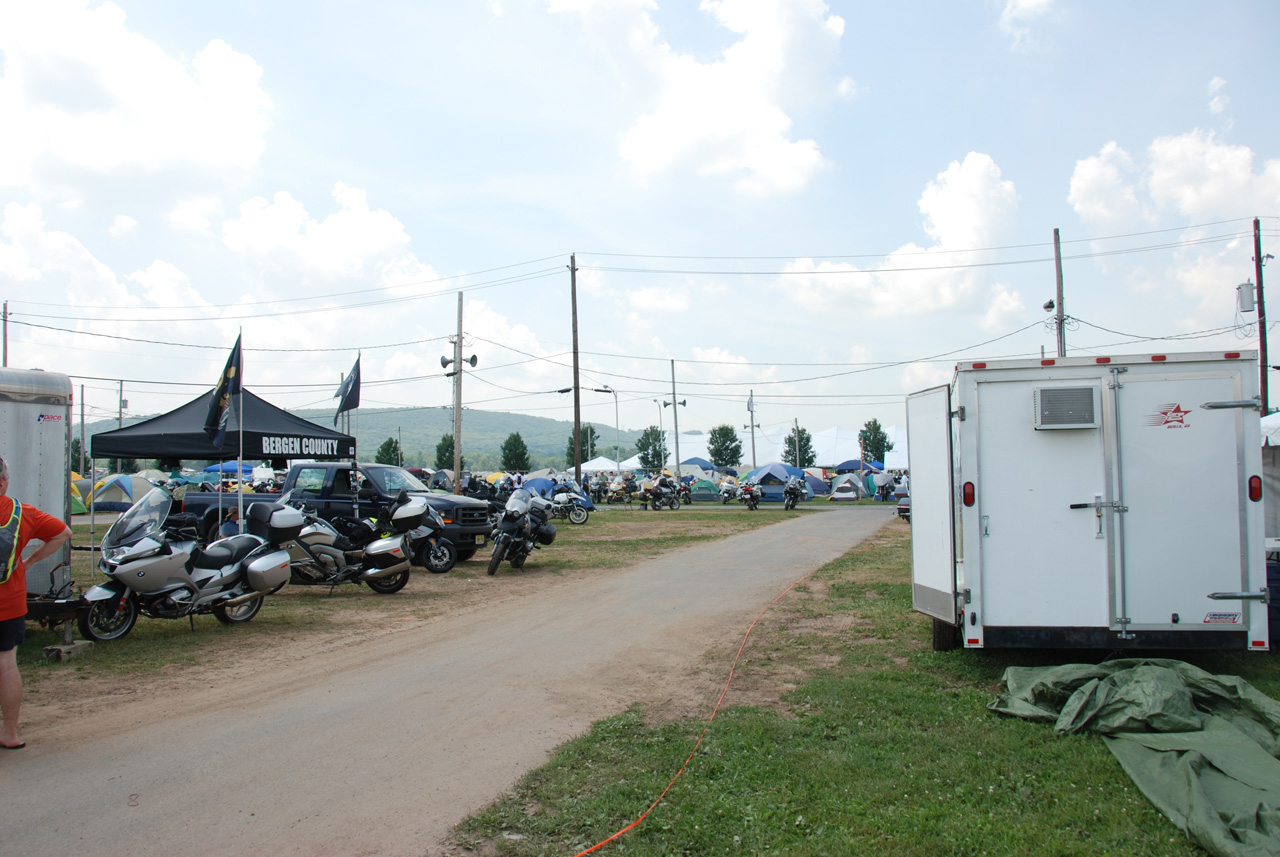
point(483, 433)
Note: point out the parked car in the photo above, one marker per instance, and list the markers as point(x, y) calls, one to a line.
point(904, 508)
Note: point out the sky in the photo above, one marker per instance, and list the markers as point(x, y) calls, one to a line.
point(823, 205)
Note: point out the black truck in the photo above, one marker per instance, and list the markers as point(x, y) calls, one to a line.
point(339, 488)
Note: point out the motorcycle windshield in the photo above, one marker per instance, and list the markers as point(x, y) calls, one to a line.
point(518, 502)
point(143, 519)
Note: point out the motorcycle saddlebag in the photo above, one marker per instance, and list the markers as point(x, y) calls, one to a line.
point(268, 571)
point(274, 522)
point(546, 534)
point(385, 553)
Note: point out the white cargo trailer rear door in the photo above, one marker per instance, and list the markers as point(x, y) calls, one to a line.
point(1182, 481)
point(933, 565)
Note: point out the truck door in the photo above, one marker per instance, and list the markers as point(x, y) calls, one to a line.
point(933, 565)
point(1181, 481)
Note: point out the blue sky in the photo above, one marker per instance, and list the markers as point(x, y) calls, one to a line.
point(851, 188)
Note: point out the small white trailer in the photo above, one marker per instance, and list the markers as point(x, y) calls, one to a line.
point(1093, 502)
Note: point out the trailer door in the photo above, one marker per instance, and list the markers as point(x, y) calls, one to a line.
point(933, 563)
point(1182, 483)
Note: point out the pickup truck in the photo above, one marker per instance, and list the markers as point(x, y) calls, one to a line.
point(337, 488)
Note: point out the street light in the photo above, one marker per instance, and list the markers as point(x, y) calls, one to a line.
point(617, 425)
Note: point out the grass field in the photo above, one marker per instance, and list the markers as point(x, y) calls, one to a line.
point(881, 747)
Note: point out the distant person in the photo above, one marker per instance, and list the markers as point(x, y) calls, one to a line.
point(20, 524)
point(517, 480)
point(230, 524)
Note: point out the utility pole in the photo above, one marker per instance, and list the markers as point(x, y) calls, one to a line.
point(751, 418)
point(6, 334)
point(798, 464)
point(577, 391)
point(399, 447)
point(675, 419)
point(457, 405)
point(81, 469)
point(1258, 259)
point(1060, 318)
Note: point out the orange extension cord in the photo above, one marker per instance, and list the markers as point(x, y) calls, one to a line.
point(633, 825)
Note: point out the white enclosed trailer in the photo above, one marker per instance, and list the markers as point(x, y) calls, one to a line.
point(1099, 502)
point(35, 441)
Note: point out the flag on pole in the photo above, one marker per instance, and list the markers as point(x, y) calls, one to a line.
point(215, 422)
point(751, 404)
point(348, 394)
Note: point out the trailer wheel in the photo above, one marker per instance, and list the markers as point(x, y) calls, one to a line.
point(945, 636)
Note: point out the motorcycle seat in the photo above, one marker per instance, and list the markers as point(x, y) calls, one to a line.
point(226, 551)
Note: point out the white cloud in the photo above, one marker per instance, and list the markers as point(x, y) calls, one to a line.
point(350, 242)
point(195, 214)
point(921, 376)
point(1220, 99)
point(123, 225)
point(1016, 19)
point(728, 117)
point(82, 93)
point(1101, 188)
point(655, 299)
point(969, 205)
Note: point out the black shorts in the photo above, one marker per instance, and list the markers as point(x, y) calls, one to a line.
point(12, 633)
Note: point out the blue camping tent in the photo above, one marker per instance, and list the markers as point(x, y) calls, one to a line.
point(701, 462)
point(855, 464)
point(230, 467)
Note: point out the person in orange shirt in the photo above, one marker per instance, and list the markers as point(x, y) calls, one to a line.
point(20, 523)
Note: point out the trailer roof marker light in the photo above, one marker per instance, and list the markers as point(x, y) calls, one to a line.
point(979, 365)
point(1158, 358)
point(1255, 488)
point(1102, 360)
point(1232, 355)
point(1047, 362)
point(969, 494)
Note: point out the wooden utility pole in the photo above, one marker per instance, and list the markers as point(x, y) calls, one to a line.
point(675, 420)
point(577, 392)
point(6, 334)
point(1262, 314)
point(457, 404)
point(1060, 318)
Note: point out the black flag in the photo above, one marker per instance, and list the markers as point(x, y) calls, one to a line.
point(348, 394)
point(215, 422)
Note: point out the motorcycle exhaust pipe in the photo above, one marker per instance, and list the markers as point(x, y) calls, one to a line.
point(375, 573)
point(242, 599)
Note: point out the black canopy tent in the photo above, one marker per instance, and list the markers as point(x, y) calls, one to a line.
point(269, 432)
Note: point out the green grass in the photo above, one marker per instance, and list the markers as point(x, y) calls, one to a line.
point(890, 751)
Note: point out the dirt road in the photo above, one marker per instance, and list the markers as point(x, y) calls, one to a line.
point(379, 748)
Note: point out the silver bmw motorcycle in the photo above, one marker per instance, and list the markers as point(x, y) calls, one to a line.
point(156, 567)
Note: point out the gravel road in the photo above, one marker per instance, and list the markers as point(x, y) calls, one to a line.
point(380, 746)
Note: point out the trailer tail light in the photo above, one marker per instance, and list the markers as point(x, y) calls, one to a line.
point(1258, 644)
point(969, 495)
point(1102, 360)
point(1158, 358)
point(1255, 488)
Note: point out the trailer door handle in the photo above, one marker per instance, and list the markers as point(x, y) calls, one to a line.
point(1252, 404)
point(1260, 595)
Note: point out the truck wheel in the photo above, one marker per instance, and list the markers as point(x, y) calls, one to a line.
point(945, 636)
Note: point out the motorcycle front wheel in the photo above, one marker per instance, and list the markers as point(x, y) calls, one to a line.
point(390, 584)
point(238, 614)
point(440, 558)
point(495, 560)
point(674, 504)
point(99, 624)
point(578, 515)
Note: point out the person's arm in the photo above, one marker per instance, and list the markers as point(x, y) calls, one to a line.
point(49, 548)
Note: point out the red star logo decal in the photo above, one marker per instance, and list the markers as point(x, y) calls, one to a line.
point(1173, 415)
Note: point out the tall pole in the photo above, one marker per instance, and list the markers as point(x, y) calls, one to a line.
point(751, 418)
point(6, 334)
point(399, 447)
point(457, 405)
point(1060, 318)
point(1262, 314)
point(798, 444)
point(675, 419)
point(617, 431)
point(81, 462)
point(577, 391)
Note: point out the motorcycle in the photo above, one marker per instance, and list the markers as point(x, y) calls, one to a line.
point(792, 494)
point(156, 567)
point(370, 551)
point(728, 491)
point(621, 491)
point(750, 495)
point(523, 527)
point(661, 497)
point(565, 505)
point(685, 494)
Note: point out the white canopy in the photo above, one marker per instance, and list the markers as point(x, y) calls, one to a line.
point(596, 465)
point(1271, 429)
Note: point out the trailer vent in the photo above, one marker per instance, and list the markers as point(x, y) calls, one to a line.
point(1065, 408)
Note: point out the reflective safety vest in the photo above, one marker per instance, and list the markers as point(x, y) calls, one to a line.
point(9, 542)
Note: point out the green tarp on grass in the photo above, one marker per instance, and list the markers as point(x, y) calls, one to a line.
point(1201, 747)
